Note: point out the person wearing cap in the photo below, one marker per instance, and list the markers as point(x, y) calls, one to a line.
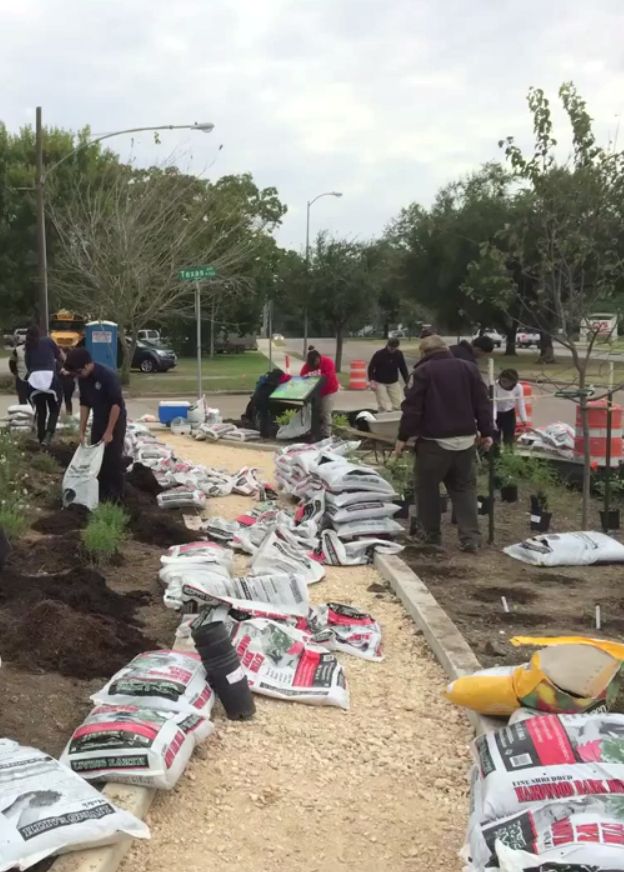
point(100, 392)
point(383, 374)
point(321, 365)
point(446, 409)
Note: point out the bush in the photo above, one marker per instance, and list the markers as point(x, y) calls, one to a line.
point(44, 463)
point(339, 422)
point(13, 521)
point(104, 534)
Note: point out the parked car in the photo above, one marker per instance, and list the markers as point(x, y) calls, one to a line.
point(496, 337)
point(153, 357)
point(399, 333)
point(232, 343)
point(149, 335)
point(527, 338)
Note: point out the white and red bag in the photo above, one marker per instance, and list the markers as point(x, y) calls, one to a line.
point(181, 497)
point(165, 680)
point(135, 745)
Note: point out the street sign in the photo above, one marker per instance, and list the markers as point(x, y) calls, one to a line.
point(195, 273)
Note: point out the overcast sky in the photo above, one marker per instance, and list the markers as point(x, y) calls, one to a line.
point(384, 100)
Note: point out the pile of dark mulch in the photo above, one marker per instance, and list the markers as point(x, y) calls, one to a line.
point(142, 478)
point(153, 525)
point(62, 452)
point(67, 520)
point(54, 636)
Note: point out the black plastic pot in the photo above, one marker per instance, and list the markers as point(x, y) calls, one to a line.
point(223, 669)
point(484, 505)
point(610, 520)
point(540, 522)
point(509, 493)
point(444, 503)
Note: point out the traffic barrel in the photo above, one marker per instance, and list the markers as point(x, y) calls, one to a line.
point(358, 378)
point(597, 421)
point(527, 391)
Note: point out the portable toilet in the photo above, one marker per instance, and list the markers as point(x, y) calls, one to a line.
point(101, 342)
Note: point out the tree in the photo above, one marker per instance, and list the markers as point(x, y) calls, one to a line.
point(342, 286)
point(568, 243)
point(123, 240)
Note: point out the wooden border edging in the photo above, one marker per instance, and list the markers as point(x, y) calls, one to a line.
point(443, 637)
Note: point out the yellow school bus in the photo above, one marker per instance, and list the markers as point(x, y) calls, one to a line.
point(67, 328)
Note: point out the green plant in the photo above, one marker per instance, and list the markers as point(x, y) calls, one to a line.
point(44, 463)
point(339, 422)
point(105, 532)
point(286, 417)
point(511, 467)
point(400, 473)
point(13, 521)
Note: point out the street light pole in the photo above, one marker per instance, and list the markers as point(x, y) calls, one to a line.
point(309, 205)
point(40, 180)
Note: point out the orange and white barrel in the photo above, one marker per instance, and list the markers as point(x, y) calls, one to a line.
point(358, 378)
point(527, 390)
point(597, 420)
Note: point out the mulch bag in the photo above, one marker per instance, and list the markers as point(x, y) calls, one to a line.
point(45, 809)
point(568, 549)
point(343, 476)
point(220, 529)
point(279, 594)
point(80, 482)
point(246, 481)
point(279, 663)
point(339, 627)
point(135, 745)
point(201, 552)
point(363, 511)
point(216, 431)
point(312, 510)
point(549, 758)
point(349, 498)
point(558, 680)
point(373, 527)
point(164, 680)
point(181, 497)
point(276, 555)
point(359, 552)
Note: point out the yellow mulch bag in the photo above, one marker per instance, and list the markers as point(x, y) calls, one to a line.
point(566, 678)
point(615, 649)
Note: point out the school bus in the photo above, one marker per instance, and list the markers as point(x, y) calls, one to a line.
point(67, 328)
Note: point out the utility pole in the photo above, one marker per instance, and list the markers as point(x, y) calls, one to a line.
point(42, 263)
point(199, 339)
point(307, 262)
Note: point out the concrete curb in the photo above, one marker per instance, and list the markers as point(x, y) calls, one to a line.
point(443, 637)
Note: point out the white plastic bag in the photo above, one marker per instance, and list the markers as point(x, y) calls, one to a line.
point(568, 549)
point(340, 627)
point(275, 555)
point(164, 680)
point(80, 482)
point(278, 663)
point(46, 809)
point(298, 425)
point(135, 745)
point(181, 497)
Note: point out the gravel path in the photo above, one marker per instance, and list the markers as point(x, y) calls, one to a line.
point(304, 789)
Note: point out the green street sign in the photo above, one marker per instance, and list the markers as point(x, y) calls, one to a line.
point(194, 273)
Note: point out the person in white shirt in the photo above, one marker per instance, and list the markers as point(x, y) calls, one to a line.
point(508, 396)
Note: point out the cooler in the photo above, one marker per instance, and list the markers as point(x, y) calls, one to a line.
point(101, 342)
point(168, 410)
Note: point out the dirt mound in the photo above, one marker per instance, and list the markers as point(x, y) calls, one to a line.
point(64, 521)
point(63, 452)
point(55, 636)
point(153, 525)
point(142, 478)
point(81, 588)
point(33, 556)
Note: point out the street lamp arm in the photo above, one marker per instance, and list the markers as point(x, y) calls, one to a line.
point(326, 194)
point(205, 128)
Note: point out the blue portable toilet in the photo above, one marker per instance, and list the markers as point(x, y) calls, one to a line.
point(101, 342)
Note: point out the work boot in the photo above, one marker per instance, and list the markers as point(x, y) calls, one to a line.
point(47, 440)
point(469, 548)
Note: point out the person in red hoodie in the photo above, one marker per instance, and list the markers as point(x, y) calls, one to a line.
point(318, 364)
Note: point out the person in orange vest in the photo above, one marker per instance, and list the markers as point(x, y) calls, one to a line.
point(319, 364)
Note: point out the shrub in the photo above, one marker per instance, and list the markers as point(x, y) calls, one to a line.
point(13, 521)
point(104, 534)
point(44, 463)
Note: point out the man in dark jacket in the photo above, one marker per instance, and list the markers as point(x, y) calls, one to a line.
point(383, 375)
point(445, 408)
point(473, 352)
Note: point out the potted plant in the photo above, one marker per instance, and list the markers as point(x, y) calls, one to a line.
point(510, 468)
point(543, 478)
point(610, 520)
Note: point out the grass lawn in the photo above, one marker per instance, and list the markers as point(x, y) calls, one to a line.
point(225, 372)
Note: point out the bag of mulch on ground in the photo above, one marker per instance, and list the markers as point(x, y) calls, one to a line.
point(615, 649)
point(562, 679)
point(45, 809)
point(313, 510)
point(174, 575)
point(582, 835)
point(135, 745)
point(246, 482)
point(568, 549)
point(340, 627)
point(364, 511)
point(198, 552)
point(344, 476)
point(80, 482)
point(373, 527)
point(164, 680)
point(359, 552)
point(219, 529)
point(216, 431)
point(550, 758)
point(278, 663)
point(275, 555)
point(243, 434)
point(277, 595)
point(181, 497)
